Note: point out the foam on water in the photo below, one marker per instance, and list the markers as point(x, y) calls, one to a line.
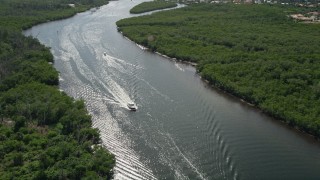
point(128, 164)
point(183, 129)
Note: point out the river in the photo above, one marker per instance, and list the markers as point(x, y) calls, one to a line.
point(182, 129)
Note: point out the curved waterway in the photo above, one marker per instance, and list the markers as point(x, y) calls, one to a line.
point(182, 129)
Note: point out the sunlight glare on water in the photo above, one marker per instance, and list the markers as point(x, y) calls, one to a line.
point(182, 129)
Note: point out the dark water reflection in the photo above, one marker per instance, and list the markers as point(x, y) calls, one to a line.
point(183, 129)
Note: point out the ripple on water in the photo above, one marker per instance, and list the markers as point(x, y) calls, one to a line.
point(181, 132)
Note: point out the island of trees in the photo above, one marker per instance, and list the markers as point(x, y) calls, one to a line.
point(44, 134)
point(151, 6)
point(256, 52)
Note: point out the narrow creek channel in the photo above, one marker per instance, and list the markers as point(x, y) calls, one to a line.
point(182, 129)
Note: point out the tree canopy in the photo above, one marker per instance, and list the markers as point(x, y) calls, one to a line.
point(255, 52)
point(151, 6)
point(44, 134)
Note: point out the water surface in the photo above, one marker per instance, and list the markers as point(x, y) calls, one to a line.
point(183, 129)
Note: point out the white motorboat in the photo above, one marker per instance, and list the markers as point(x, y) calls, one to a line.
point(132, 106)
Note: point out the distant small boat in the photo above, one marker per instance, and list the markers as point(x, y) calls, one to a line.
point(105, 53)
point(93, 9)
point(132, 106)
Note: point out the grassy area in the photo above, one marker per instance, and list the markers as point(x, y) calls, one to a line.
point(255, 52)
point(44, 134)
point(151, 6)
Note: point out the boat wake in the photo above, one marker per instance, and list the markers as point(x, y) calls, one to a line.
point(103, 92)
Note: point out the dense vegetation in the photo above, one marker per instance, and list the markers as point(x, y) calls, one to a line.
point(151, 6)
point(44, 134)
point(47, 135)
point(252, 51)
point(25, 13)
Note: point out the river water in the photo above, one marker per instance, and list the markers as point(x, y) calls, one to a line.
point(182, 129)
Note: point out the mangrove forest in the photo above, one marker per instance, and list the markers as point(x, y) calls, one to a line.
point(256, 52)
point(44, 134)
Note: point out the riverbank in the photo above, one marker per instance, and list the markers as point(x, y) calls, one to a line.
point(245, 58)
point(163, 55)
point(182, 124)
point(50, 134)
point(23, 16)
point(151, 6)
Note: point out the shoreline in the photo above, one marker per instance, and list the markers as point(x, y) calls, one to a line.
point(76, 12)
point(160, 54)
point(62, 17)
point(221, 89)
point(134, 11)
